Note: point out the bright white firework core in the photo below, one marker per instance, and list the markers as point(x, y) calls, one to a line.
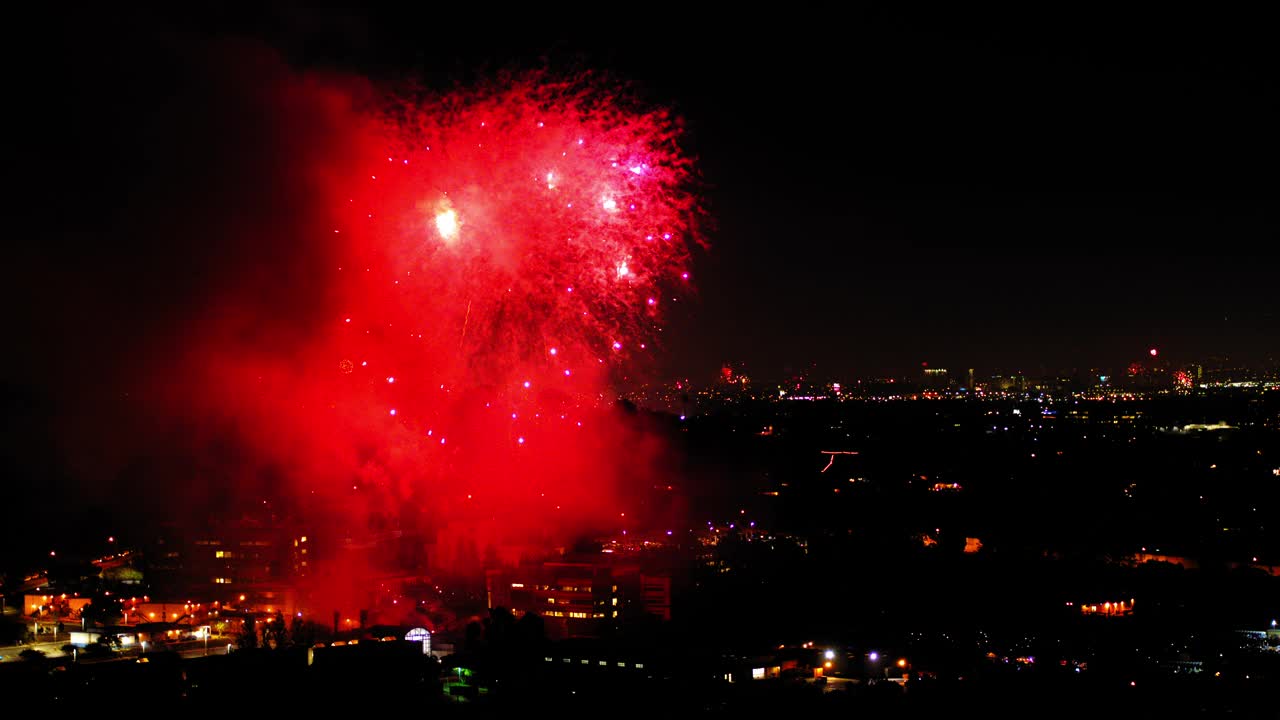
point(447, 224)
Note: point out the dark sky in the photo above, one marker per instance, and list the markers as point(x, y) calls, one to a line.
point(990, 191)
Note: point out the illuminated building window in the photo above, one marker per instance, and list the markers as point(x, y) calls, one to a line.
point(615, 601)
point(222, 581)
point(517, 585)
point(551, 601)
point(604, 662)
point(304, 538)
point(639, 666)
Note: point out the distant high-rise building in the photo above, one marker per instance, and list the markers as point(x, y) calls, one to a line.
point(936, 378)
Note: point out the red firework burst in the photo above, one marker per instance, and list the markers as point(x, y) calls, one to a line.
point(519, 219)
point(503, 250)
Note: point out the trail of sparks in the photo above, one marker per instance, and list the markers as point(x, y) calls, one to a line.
point(832, 459)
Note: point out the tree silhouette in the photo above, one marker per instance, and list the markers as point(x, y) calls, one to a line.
point(248, 638)
point(101, 610)
point(275, 634)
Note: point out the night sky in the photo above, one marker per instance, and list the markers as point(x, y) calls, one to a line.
point(999, 192)
point(990, 191)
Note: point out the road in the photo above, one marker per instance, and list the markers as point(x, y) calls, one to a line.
point(53, 649)
point(9, 653)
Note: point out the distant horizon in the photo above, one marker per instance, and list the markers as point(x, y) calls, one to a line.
point(1042, 369)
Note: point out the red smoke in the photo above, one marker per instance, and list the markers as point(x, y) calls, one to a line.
point(467, 272)
point(244, 255)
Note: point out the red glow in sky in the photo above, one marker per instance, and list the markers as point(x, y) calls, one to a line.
point(496, 255)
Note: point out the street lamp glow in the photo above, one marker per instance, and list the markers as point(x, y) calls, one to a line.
point(873, 656)
point(830, 654)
